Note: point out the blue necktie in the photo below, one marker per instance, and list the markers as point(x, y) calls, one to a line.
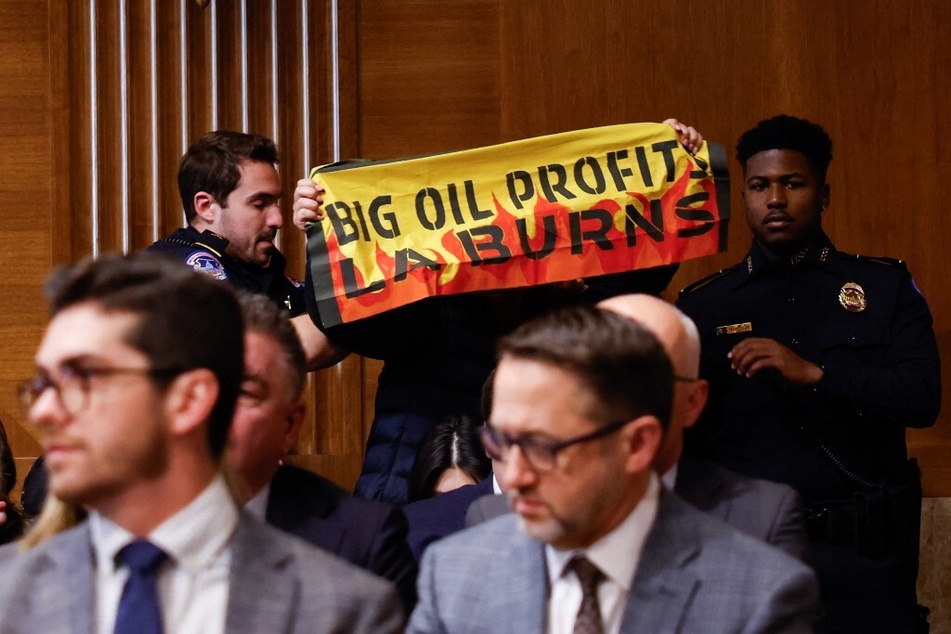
point(139, 611)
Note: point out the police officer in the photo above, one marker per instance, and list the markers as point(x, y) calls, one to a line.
point(817, 362)
point(231, 194)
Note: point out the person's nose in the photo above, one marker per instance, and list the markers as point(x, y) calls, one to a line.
point(274, 217)
point(777, 196)
point(48, 410)
point(518, 474)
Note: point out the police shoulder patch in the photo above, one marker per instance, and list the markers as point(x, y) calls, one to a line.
point(206, 263)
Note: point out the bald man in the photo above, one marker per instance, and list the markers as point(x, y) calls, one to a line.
point(766, 510)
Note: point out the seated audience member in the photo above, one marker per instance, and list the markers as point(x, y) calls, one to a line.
point(134, 395)
point(766, 510)
point(11, 522)
point(450, 456)
point(267, 422)
point(582, 397)
point(434, 518)
point(435, 366)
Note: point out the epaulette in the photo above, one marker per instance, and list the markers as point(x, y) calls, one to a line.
point(690, 288)
point(883, 260)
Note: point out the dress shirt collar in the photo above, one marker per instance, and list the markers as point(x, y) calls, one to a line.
point(618, 553)
point(192, 538)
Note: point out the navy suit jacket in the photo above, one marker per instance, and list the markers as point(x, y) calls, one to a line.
point(769, 511)
point(433, 519)
point(367, 533)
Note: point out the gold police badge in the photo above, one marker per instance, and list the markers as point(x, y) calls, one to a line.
point(852, 297)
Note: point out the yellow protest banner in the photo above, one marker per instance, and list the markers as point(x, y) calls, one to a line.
point(544, 209)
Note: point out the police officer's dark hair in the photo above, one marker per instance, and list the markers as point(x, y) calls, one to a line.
point(263, 316)
point(188, 320)
point(784, 132)
point(623, 367)
point(212, 165)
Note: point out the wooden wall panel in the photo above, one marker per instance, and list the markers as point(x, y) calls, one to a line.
point(25, 198)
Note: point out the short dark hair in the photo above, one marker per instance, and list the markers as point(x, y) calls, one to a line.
point(212, 165)
point(784, 132)
point(188, 320)
point(620, 363)
point(452, 443)
point(263, 316)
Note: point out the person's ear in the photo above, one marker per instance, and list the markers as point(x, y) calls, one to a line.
point(206, 207)
point(295, 419)
point(825, 196)
point(190, 399)
point(642, 439)
point(696, 400)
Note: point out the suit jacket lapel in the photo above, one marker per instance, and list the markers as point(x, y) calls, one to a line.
point(521, 581)
point(259, 562)
point(663, 583)
point(63, 587)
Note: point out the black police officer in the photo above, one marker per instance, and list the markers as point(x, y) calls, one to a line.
point(817, 362)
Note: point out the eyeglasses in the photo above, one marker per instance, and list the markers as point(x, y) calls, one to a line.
point(540, 454)
point(74, 384)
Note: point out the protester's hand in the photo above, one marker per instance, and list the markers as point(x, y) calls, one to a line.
point(307, 202)
point(690, 138)
point(752, 355)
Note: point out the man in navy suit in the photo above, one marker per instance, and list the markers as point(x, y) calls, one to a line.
point(266, 425)
point(581, 400)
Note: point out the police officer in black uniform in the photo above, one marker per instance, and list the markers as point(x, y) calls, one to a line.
point(231, 194)
point(817, 362)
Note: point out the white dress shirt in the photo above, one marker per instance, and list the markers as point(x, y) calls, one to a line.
point(193, 583)
point(617, 555)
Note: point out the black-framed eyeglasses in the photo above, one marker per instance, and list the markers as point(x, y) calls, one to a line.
point(540, 454)
point(75, 382)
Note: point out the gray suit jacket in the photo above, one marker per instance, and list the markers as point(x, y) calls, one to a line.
point(278, 584)
point(696, 574)
point(768, 511)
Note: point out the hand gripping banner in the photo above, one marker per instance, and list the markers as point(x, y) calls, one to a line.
point(546, 209)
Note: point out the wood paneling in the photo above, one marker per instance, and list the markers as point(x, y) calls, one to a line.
point(26, 194)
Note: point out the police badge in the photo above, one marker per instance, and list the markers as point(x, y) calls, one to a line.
point(852, 297)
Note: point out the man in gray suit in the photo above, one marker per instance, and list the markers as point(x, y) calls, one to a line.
point(582, 397)
point(134, 394)
point(766, 510)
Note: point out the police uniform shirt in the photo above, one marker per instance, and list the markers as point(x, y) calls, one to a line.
point(205, 252)
point(863, 321)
